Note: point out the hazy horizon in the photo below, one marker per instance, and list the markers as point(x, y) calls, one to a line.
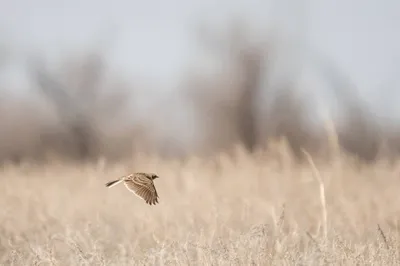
point(154, 42)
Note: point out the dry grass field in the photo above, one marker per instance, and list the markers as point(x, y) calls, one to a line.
point(261, 209)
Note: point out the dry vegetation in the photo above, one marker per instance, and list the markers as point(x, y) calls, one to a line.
point(261, 209)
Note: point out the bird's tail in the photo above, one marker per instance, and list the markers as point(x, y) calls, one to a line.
point(114, 182)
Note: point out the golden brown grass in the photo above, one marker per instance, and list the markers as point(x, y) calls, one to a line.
point(241, 210)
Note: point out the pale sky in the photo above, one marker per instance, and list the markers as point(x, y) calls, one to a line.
point(155, 39)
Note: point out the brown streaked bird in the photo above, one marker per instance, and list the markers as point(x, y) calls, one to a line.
point(141, 184)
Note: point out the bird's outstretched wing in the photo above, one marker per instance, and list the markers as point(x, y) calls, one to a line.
point(144, 188)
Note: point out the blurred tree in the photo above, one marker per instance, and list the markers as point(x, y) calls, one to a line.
point(82, 104)
point(230, 94)
point(358, 130)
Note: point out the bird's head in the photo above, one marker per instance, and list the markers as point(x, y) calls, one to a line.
point(154, 176)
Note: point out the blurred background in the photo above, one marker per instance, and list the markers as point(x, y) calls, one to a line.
point(87, 79)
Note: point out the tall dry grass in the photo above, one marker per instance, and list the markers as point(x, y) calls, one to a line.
point(260, 209)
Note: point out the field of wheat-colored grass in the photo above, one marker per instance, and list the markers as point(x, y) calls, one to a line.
point(231, 210)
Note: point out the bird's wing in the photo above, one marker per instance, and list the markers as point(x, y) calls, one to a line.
point(143, 188)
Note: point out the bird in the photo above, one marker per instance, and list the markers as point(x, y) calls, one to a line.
point(141, 184)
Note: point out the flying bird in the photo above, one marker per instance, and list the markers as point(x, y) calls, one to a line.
point(141, 184)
